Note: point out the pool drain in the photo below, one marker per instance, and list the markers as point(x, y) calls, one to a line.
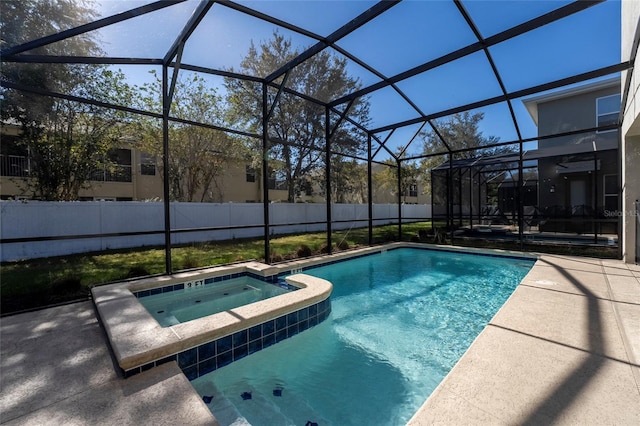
point(207, 399)
point(246, 395)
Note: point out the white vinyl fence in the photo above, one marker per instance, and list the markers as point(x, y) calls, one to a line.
point(78, 222)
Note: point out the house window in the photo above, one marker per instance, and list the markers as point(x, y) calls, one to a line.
point(251, 174)
point(14, 158)
point(116, 169)
point(147, 164)
point(276, 180)
point(413, 190)
point(607, 111)
point(610, 192)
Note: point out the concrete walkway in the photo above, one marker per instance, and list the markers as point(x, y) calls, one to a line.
point(564, 349)
point(56, 369)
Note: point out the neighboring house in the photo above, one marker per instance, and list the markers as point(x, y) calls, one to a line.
point(577, 174)
point(135, 176)
point(388, 193)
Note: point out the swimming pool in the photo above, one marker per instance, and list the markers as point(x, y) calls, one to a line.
point(400, 320)
point(202, 298)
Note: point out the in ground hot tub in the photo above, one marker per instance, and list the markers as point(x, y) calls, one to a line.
point(183, 302)
point(201, 340)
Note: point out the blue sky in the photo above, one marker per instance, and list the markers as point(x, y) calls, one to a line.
point(407, 35)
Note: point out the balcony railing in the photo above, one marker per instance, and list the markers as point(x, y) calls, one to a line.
point(20, 166)
point(14, 165)
point(119, 173)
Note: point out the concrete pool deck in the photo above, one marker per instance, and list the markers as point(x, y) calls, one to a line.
point(564, 349)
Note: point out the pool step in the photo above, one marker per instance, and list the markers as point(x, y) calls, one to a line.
point(223, 410)
point(258, 407)
point(297, 408)
point(243, 403)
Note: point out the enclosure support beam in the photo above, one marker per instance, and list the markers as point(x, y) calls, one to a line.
point(277, 99)
point(415, 135)
point(382, 144)
point(399, 166)
point(450, 197)
point(595, 192)
point(340, 119)
point(43, 92)
point(370, 189)
point(470, 198)
point(433, 216)
point(188, 29)
point(92, 26)
point(480, 176)
point(327, 169)
point(176, 70)
point(620, 219)
point(520, 198)
point(476, 31)
point(460, 175)
point(165, 164)
point(265, 174)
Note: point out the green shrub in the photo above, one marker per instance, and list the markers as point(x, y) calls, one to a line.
point(137, 271)
point(276, 257)
point(304, 251)
point(190, 261)
point(343, 245)
point(66, 286)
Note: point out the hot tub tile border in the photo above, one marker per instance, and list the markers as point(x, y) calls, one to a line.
point(273, 279)
point(210, 356)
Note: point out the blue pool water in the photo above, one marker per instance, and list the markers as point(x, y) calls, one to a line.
point(191, 303)
point(400, 320)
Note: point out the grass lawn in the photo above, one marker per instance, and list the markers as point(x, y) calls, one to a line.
point(41, 282)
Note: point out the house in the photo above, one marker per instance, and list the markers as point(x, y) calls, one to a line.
point(630, 134)
point(578, 179)
point(133, 175)
point(569, 183)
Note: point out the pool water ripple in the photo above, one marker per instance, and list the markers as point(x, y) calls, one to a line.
point(400, 321)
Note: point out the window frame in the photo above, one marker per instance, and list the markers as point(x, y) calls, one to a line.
point(250, 174)
point(599, 114)
point(605, 194)
point(147, 161)
point(413, 189)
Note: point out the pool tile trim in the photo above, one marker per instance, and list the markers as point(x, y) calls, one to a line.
point(139, 342)
point(207, 357)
